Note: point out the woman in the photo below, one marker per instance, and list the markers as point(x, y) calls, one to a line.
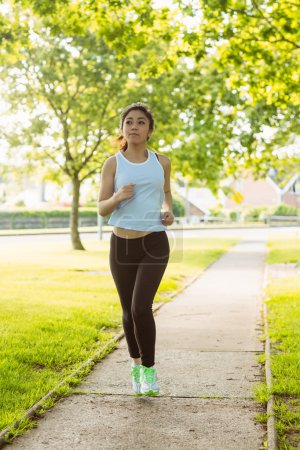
point(135, 185)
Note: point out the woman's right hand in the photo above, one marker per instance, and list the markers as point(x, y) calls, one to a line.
point(125, 192)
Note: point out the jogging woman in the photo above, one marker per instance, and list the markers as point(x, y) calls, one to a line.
point(135, 190)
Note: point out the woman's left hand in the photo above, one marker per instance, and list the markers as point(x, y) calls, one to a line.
point(167, 218)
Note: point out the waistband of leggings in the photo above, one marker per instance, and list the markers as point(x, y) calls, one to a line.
point(157, 233)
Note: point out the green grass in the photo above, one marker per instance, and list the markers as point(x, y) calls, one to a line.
point(283, 300)
point(284, 333)
point(58, 307)
point(285, 250)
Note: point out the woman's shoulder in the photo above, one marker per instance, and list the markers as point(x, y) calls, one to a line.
point(110, 163)
point(111, 159)
point(163, 159)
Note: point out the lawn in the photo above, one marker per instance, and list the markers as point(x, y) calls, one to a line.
point(285, 250)
point(59, 307)
point(284, 332)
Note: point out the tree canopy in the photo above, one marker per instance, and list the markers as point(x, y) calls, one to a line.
point(258, 44)
point(224, 91)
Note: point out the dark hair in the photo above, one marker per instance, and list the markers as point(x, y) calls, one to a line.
point(134, 106)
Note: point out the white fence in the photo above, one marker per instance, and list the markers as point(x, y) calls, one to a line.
point(17, 223)
point(271, 220)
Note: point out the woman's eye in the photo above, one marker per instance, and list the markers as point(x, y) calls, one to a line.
point(141, 122)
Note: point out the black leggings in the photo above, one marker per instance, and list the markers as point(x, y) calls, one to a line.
point(137, 266)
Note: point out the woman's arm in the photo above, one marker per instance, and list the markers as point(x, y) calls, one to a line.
point(168, 202)
point(108, 200)
point(167, 217)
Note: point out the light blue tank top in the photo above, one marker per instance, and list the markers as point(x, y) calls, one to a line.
point(142, 211)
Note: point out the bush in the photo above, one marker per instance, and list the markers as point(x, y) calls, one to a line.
point(20, 203)
point(217, 212)
point(41, 219)
point(46, 214)
point(178, 207)
point(286, 210)
point(234, 215)
point(255, 214)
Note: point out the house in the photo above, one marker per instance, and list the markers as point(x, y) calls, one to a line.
point(198, 201)
point(291, 191)
point(266, 192)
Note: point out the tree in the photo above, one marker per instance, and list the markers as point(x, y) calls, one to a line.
point(257, 44)
point(84, 61)
point(74, 87)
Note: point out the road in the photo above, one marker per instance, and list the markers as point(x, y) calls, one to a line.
point(245, 233)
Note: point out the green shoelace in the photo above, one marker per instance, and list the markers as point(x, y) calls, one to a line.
point(135, 372)
point(149, 373)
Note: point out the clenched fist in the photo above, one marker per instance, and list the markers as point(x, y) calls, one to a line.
point(167, 218)
point(125, 192)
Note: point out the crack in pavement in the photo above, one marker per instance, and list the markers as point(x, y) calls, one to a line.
point(101, 393)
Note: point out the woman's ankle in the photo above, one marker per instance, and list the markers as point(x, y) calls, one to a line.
point(136, 361)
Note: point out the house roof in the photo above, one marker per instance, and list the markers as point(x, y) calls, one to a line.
point(284, 182)
point(281, 184)
point(290, 182)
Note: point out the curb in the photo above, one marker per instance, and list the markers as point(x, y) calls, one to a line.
point(271, 423)
point(93, 359)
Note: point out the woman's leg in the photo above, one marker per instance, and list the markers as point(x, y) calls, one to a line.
point(149, 274)
point(122, 257)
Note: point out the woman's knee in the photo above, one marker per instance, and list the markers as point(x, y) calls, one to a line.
point(127, 315)
point(141, 311)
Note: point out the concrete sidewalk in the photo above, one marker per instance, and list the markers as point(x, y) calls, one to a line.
point(206, 348)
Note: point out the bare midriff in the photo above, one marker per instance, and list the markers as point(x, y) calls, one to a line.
point(129, 234)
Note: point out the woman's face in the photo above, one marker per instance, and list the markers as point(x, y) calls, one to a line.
point(136, 127)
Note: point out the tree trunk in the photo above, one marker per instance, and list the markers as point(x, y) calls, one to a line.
point(76, 242)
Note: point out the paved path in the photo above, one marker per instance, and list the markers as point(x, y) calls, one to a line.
point(207, 343)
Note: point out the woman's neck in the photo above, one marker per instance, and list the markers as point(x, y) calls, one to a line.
point(137, 150)
point(137, 155)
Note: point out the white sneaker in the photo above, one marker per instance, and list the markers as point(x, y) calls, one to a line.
point(135, 378)
point(149, 384)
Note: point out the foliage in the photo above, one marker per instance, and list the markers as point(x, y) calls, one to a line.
point(256, 46)
point(234, 215)
point(255, 214)
point(286, 210)
point(74, 79)
point(217, 211)
point(215, 88)
point(45, 214)
point(178, 206)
